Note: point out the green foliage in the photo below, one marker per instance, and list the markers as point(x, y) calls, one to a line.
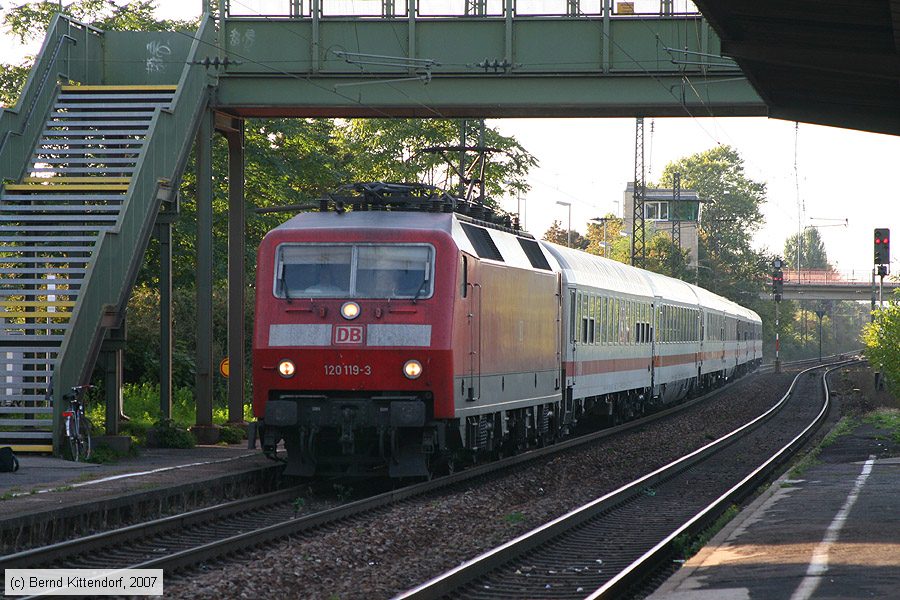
point(514, 517)
point(882, 340)
point(686, 546)
point(888, 419)
point(30, 20)
point(106, 455)
point(559, 235)
point(732, 212)
point(231, 435)
point(12, 80)
point(844, 427)
point(166, 434)
point(812, 251)
point(391, 150)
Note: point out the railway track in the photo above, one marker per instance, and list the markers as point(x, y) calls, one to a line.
point(207, 534)
point(610, 545)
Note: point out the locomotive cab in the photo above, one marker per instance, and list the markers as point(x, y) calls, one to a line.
point(351, 355)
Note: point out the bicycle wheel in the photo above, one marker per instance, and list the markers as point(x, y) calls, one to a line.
point(84, 437)
point(72, 430)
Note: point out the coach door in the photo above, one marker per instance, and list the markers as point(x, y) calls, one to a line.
point(654, 332)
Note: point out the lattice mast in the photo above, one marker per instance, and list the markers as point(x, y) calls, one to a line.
point(638, 241)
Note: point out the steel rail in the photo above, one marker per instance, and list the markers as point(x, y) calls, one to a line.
point(285, 528)
point(471, 570)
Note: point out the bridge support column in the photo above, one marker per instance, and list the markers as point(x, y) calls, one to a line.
point(112, 352)
point(164, 223)
point(236, 271)
point(203, 387)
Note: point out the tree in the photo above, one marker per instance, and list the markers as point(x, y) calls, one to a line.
point(391, 150)
point(731, 213)
point(558, 235)
point(882, 338)
point(605, 238)
point(812, 250)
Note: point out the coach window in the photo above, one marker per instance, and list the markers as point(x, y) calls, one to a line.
point(584, 318)
point(592, 320)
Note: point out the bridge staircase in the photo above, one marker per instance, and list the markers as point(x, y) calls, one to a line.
point(73, 230)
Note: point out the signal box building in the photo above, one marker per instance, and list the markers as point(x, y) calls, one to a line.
point(661, 209)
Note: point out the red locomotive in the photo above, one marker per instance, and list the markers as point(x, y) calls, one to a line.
point(407, 337)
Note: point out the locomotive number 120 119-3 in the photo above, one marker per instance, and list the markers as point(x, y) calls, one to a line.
point(348, 370)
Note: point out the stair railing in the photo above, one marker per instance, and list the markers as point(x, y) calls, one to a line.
point(20, 129)
point(119, 252)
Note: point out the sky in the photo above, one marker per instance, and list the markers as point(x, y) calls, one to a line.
point(841, 185)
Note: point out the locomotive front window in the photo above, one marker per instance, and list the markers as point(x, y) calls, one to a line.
point(393, 271)
point(313, 271)
point(363, 271)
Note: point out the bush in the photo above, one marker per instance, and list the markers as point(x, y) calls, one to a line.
point(165, 434)
point(231, 435)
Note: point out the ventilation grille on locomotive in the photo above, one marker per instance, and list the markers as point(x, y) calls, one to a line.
point(481, 240)
point(534, 254)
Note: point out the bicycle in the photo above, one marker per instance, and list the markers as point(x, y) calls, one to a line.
point(78, 426)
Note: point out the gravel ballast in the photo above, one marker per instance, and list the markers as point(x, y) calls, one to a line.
point(406, 544)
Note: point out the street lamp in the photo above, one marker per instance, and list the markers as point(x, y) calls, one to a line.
point(604, 220)
point(569, 235)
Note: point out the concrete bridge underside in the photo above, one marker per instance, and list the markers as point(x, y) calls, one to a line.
point(846, 291)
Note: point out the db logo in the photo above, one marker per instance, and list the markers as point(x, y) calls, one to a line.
point(348, 334)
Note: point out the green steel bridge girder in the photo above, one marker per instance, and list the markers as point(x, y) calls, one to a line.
point(461, 67)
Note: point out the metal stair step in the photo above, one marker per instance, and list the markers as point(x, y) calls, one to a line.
point(51, 270)
point(79, 249)
point(48, 338)
point(110, 197)
point(50, 210)
point(69, 133)
point(100, 123)
point(25, 423)
point(66, 188)
point(85, 151)
point(57, 281)
point(144, 105)
point(49, 143)
point(34, 218)
point(66, 228)
point(42, 398)
point(26, 410)
point(74, 180)
point(84, 170)
point(151, 95)
point(97, 114)
point(86, 161)
point(19, 435)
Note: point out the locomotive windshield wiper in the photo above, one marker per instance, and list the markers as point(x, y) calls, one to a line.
point(284, 286)
point(421, 288)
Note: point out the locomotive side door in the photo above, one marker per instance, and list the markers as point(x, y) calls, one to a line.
point(473, 291)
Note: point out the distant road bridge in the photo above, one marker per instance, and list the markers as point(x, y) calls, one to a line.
point(832, 285)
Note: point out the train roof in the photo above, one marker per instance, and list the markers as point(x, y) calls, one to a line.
point(587, 270)
point(370, 219)
point(576, 266)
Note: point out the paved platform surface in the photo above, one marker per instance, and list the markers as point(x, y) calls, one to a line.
point(43, 482)
point(833, 533)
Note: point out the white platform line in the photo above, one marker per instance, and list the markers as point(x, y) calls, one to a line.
point(818, 565)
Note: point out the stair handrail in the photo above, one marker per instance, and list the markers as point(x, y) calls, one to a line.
point(35, 90)
point(119, 252)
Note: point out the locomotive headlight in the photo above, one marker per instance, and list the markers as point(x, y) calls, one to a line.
point(350, 310)
point(286, 368)
point(412, 369)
